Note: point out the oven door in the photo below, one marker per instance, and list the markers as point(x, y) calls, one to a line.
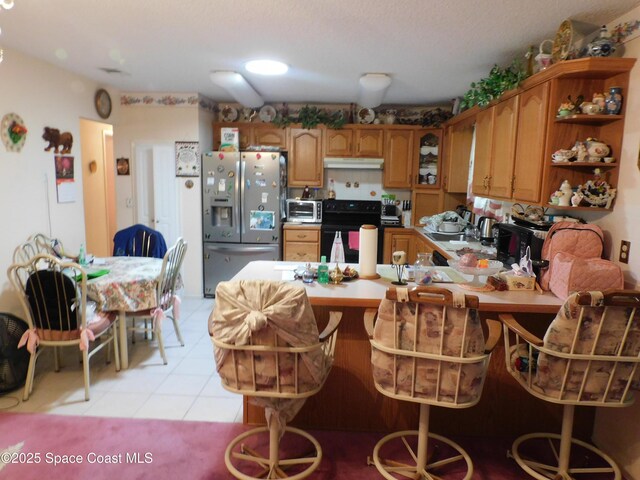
point(350, 242)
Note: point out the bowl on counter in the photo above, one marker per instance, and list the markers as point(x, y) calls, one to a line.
point(450, 227)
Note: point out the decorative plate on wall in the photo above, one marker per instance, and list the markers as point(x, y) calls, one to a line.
point(103, 103)
point(13, 132)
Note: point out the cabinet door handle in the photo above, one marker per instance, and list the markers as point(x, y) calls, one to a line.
point(513, 184)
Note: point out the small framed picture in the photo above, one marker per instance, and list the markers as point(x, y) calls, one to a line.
point(187, 159)
point(122, 166)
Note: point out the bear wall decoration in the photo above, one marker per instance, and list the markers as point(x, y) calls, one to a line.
point(60, 142)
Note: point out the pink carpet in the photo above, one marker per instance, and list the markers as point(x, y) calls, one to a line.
point(188, 450)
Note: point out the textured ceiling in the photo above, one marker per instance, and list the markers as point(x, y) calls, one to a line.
point(432, 49)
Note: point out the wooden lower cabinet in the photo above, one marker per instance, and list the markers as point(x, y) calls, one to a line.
point(349, 399)
point(407, 240)
point(301, 244)
point(398, 239)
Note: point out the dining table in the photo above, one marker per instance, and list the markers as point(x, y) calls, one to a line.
point(124, 285)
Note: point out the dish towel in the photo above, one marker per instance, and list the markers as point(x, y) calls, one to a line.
point(354, 240)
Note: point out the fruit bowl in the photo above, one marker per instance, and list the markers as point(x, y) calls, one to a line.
point(494, 266)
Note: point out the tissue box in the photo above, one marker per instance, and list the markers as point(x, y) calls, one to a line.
point(230, 140)
point(518, 282)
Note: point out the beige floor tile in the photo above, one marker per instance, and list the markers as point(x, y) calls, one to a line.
point(139, 382)
point(195, 366)
point(177, 384)
point(188, 387)
point(214, 388)
point(214, 409)
point(166, 407)
point(117, 404)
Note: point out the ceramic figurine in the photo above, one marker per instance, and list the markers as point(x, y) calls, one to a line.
point(581, 151)
point(602, 46)
point(577, 198)
point(598, 99)
point(567, 193)
point(613, 102)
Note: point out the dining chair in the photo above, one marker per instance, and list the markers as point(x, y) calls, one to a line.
point(53, 294)
point(38, 243)
point(589, 356)
point(166, 299)
point(139, 241)
point(267, 348)
point(428, 347)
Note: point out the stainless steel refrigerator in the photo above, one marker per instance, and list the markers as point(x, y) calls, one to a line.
point(243, 198)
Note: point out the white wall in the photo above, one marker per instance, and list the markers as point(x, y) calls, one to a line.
point(43, 95)
point(166, 125)
point(623, 441)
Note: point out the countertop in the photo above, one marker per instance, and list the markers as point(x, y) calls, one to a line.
point(455, 243)
point(369, 293)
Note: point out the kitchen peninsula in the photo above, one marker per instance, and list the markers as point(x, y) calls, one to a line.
point(349, 400)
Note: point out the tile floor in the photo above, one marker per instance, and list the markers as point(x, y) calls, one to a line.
point(187, 388)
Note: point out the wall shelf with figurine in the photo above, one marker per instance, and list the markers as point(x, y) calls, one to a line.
point(596, 119)
point(584, 164)
point(584, 139)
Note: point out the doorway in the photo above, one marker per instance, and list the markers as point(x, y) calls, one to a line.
point(155, 189)
point(98, 186)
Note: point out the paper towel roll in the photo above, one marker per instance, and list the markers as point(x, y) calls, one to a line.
point(368, 251)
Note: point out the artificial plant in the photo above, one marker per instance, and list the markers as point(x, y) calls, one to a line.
point(310, 117)
point(490, 88)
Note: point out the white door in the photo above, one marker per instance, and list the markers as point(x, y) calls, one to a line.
point(156, 199)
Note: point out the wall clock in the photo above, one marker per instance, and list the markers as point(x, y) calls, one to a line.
point(103, 103)
point(187, 159)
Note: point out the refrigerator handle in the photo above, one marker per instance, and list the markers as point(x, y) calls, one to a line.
point(239, 248)
point(239, 194)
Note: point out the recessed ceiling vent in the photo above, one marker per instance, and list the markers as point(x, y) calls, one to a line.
point(111, 70)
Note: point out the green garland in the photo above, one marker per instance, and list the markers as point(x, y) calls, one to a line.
point(490, 88)
point(310, 117)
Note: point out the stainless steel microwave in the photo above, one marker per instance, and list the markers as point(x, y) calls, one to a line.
point(305, 211)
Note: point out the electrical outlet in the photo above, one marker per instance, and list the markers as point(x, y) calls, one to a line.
point(625, 248)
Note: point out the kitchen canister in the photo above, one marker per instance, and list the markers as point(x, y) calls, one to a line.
point(613, 102)
point(368, 256)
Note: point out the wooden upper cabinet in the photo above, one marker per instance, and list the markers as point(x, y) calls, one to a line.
point(505, 123)
point(305, 157)
point(398, 153)
point(530, 144)
point(458, 140)
point(271, 136)
point(253, 134)
point(369, 142)
point(482, 157)
point(338, 143)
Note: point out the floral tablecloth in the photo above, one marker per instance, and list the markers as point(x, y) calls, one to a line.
point(129, 286)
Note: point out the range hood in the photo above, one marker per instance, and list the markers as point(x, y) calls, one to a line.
point(354, 163)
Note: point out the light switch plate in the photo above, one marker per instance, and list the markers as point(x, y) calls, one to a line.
point(625, 248)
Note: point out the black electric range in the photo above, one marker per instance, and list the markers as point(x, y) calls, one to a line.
point(348, 216)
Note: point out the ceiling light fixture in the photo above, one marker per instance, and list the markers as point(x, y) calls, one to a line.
point(238, 87)
point(372, 89)
point(6, 4)
point(266, 67)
